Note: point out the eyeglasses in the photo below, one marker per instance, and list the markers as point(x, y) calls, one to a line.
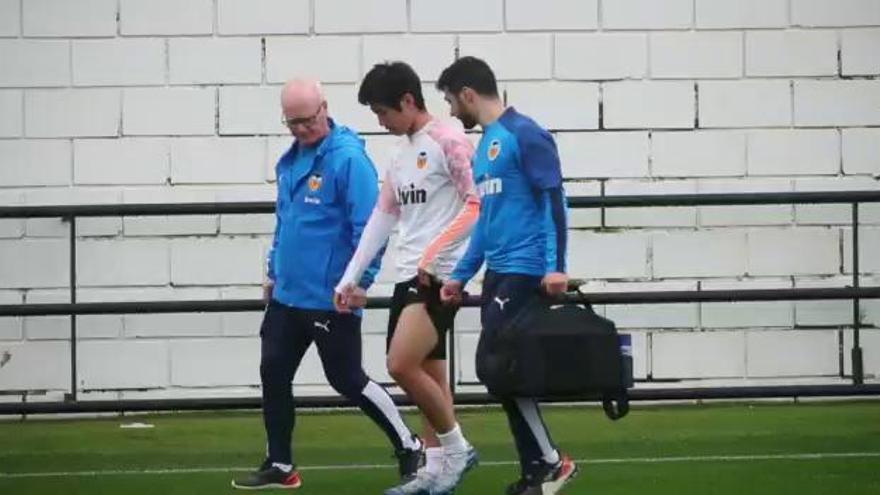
point(302, 121)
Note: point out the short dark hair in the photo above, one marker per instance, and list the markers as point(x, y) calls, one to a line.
point(469, 72)
point(386, 83)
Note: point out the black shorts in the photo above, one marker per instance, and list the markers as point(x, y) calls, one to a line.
point(443, 316)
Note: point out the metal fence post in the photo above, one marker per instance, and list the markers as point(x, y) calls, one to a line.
point(858, 372)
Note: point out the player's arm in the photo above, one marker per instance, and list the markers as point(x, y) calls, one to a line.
point(269, 283)
point(459, 151)
point(370, 246)
point(541, 165)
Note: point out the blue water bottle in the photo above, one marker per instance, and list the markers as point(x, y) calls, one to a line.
point(626, 359)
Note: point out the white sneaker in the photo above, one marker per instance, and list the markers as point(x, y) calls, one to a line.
point(455, 465)
point(420, 484)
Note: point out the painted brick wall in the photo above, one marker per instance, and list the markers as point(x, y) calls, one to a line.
point(131, 101)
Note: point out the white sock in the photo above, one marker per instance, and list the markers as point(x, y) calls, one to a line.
point(284, 467)
point(552, 458)
point(453, 440)
point(433, 459)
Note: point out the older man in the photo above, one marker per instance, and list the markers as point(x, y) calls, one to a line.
point(327, 187)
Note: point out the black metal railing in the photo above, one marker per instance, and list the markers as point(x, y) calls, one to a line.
point(72, 309)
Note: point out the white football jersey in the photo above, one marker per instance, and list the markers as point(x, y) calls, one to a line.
point(427, 184)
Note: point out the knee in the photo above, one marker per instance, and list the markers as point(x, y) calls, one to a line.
point(349, 386)
point(398, 368)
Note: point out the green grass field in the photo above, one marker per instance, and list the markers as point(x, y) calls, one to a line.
point(814, 448)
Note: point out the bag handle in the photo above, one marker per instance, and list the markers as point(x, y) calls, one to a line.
point(616, 407)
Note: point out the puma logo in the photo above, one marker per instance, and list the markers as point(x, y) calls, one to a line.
point(323, 326)
point(4, 358)
point(413, 290)
point(501, 302)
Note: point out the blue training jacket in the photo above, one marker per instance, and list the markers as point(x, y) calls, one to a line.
point(522, 225)
point(324, 201)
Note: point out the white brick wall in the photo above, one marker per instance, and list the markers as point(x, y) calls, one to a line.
point(747, 314)
point(33, 263)
point(179, 101)
point(127, 263)
point(119, 62)
point(163, 111)
point(428, 54)
point(836, 103)
point(698, 154)
point(287, 57)
point(861, 149)
point(698, 355)
point(514, 56)
point(120, 161)
point(250, 110)
point(194, 362)
point(72, 112)
point(603, 154)
point(10, 328)
point(218, 160)
point(653, 316)
point(118, 365)
point(66, 18)
point(263, 16)
point(195, 262)
point(195, 60)
point(647, 14)
point(792, 353)
point(724, 14)
point(744, 103)
point(170, 225)
point(11, 113)
point(804, 251)
point(791, 53)
point(526, 15)
point(858, 51)
point(166, 17)
point(835, 12)
point(649, 104)
point(702, 254)
point(601, 56)
point(654, 216)
point(173, 325)
point(561, 105)
point(431, 16)
point(34, 63)
point(745, 215)
point(10, 17)
point(794, 152)
point(607, 255)
point(35, 162)
point(21, 374)
point(365, 16)
point(696, 55)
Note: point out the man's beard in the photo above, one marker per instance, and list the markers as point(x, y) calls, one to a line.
point(468, 121)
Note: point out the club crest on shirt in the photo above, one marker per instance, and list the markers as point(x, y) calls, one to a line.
point(422, 160)
point(494, 149)
point(315, 182)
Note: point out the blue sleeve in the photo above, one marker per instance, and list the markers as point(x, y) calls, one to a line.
point(555, 227)
point(470, 263)
point(270, 257)
point(361, 195)
point(539, 158)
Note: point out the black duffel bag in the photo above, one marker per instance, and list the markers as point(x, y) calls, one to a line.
point(558, 351)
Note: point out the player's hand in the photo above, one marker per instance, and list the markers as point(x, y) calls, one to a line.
point(450, 293)
point(341, 299)
point(268, 287)
point(554, 283)
point(357, 298)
